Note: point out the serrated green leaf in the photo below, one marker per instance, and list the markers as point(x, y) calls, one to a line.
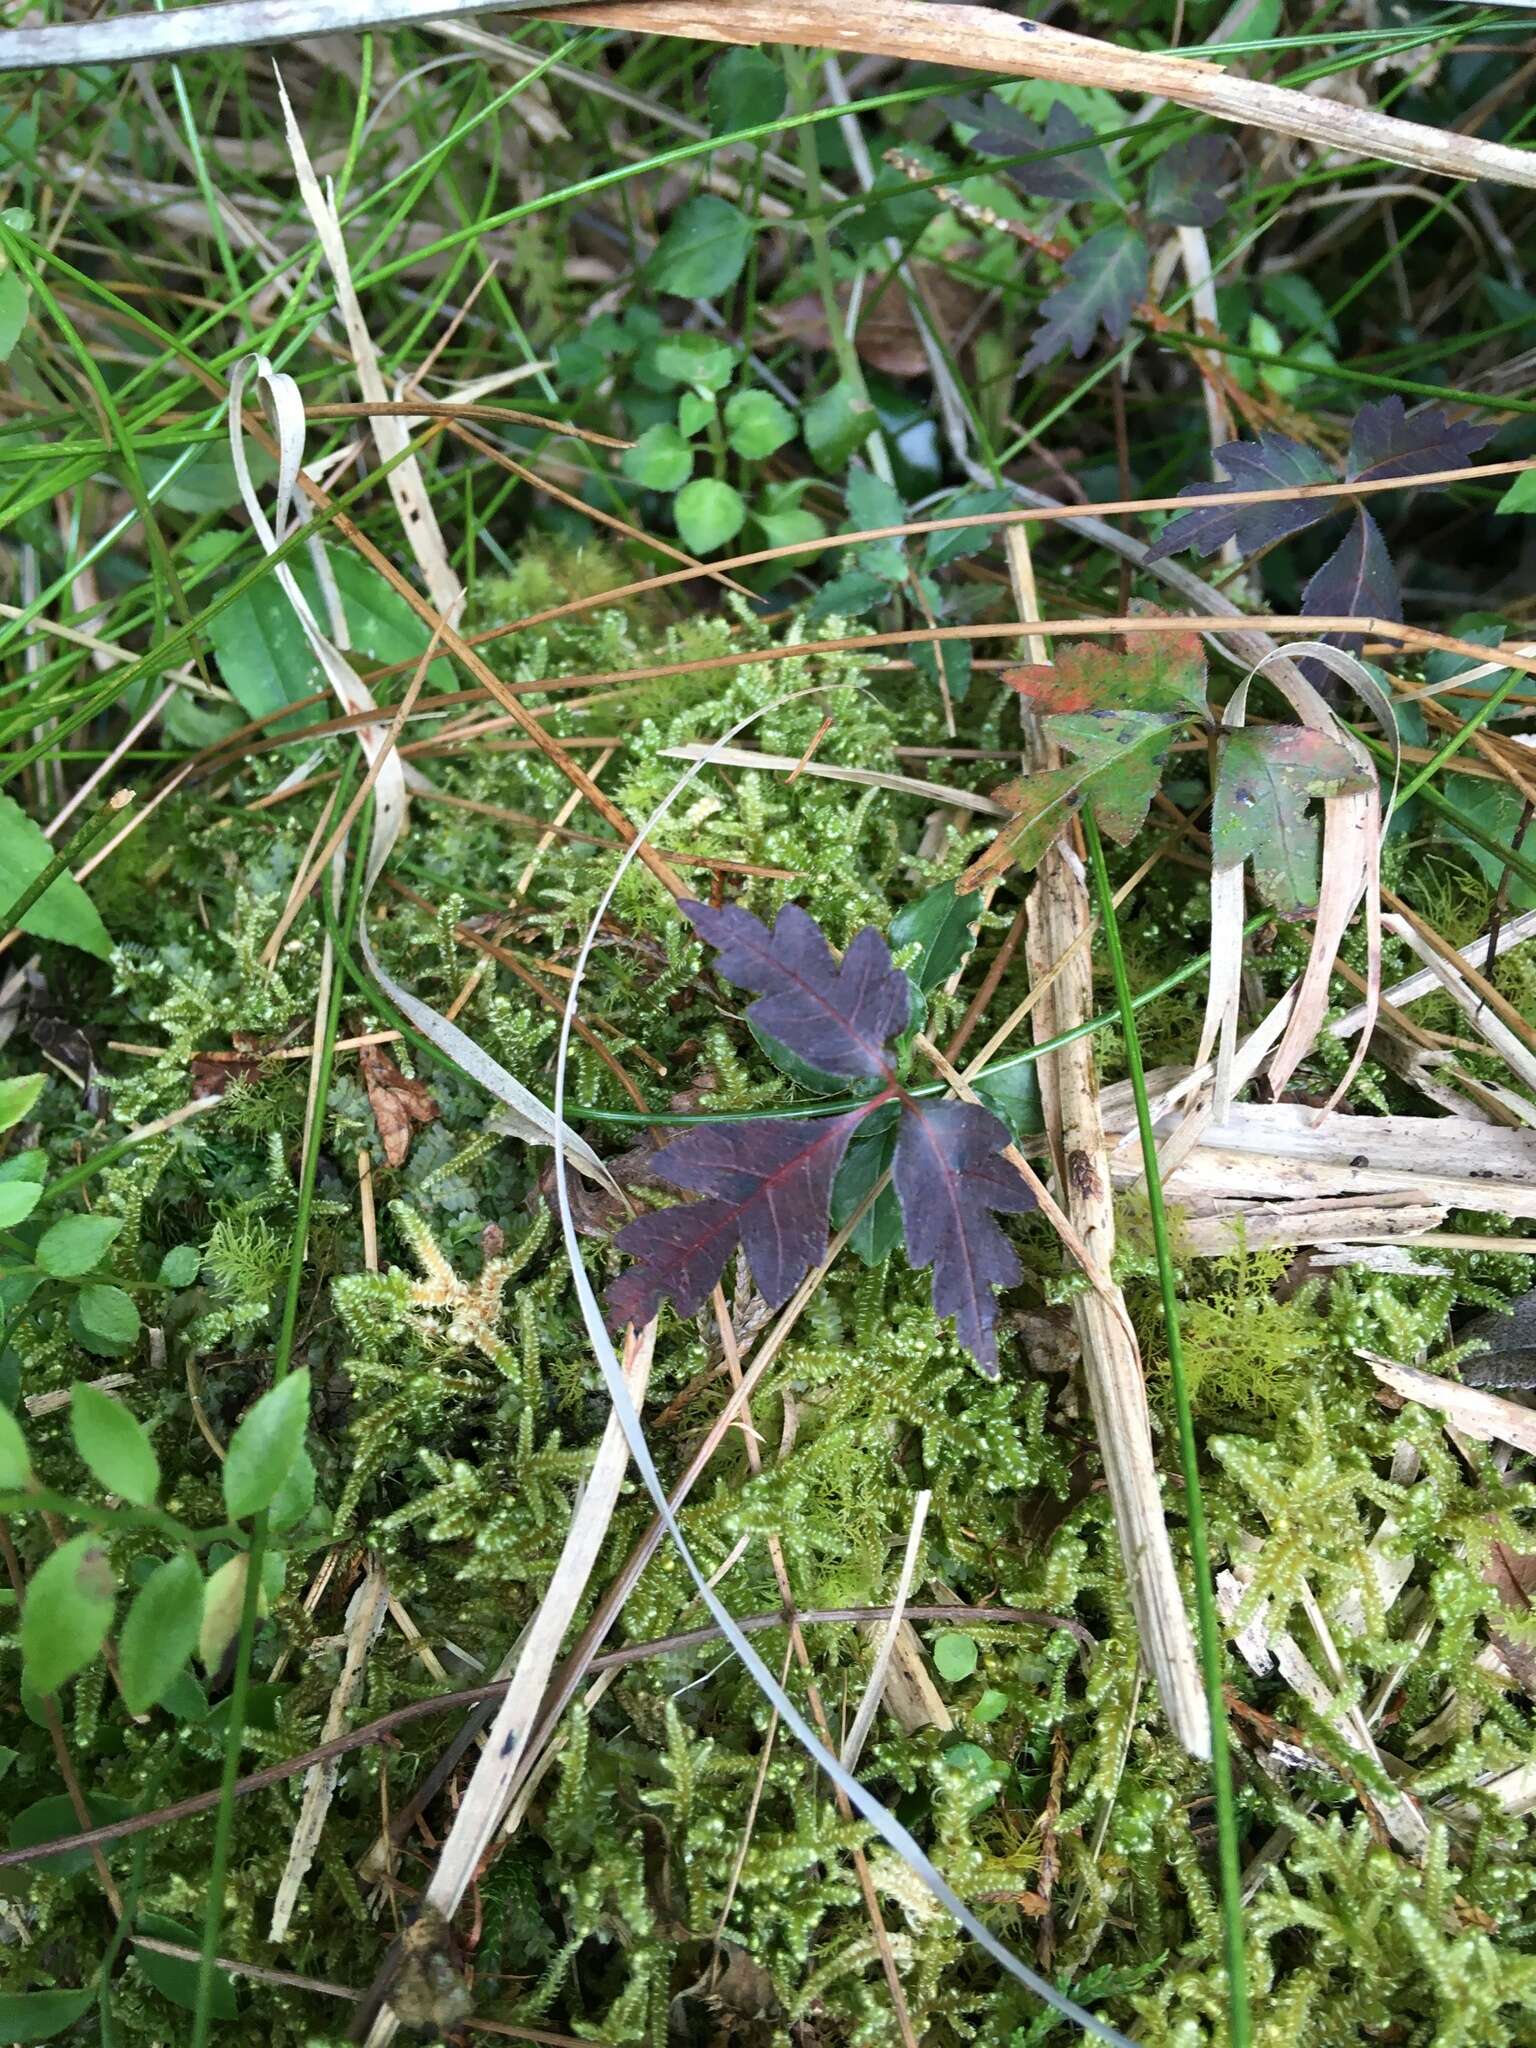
point(1104, 279)
point(746, 88)
point(709, 513)
point(757, 423)
point(950, 546)
point(704, 249)
point(1123, 752)
point(18, 1198)
point(75, 1245)
point(266, 1444)
point(1521, 495)
point(1041, 805)
point(39, 2015)
point(67, 1613)
point(661, 459)
point(180, 1266)
point(17, 1097)
point(63, 912)
point(942, 925)
point(114, 1445)
point(161, 1631)
point(104, 1320)
point(1259, 806)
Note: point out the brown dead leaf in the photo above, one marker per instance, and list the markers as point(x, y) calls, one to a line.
point(397, 1102)
point(1512, 1574)
point(888, 337)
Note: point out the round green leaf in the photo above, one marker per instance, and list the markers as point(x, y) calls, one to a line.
point(756, 423)
point(17, 1097)
point(954, 1655)
point(264, 1449)
point(702, 360)
point(104, 1320)
point(704, 250)
point(18, 1198)
point(991, 1704)
point(708, 513)
point(161, 1632)
point(746, 88)
point(75, 1244)
point(39, 2015)
point(180, 1266)
point(661, 459)
point(15, 1465)
point(67, 1613)
point(695, 410)
point(114, 1445)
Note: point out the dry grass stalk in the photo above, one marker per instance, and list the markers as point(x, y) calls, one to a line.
point(978, 39)
point(1055, 949)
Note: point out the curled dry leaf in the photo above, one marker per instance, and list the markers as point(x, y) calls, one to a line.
point(398, 1103)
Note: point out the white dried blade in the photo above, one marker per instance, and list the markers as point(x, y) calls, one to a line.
point(365, 1617)
point(392, 435)
point(1348, 1220)
point(866, 778)
point(1471, 1410)
point(1514, 1052)
point(1515, 931)
point(874, 1691)
point(524, 1116)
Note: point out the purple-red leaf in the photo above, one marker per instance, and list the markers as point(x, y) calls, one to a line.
point(1105, 279)
point(1269, 464)
point(1357, 580)
point(767, 1185)
point(950, 1175)
point(1185, 186)
point(1387, 440)
point(836, 1017)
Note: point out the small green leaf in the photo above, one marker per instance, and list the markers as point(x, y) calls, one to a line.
point(703, 251)
point(990, 1707)
point(46, 1820)
point(702, 361)
point(104, 1320)
point(18, 1198)
point(1259, 807)
point(17, 1097)
point(955, 1656)
point(114, 1445)
point(63, 912)
point(223, 1605)
point(834, 425)
point(695, 410)
point(13, 311)
point(15, 1465)
point(757, 423)
point(746, 89)
point(1521, 495)
point(176, 1979)
point(180, 1266)
point(161, 1631)
point(661, 460)
point(39, 2015)
point(958, 541)
point(75, 1244)
point(67, 1613)
point(296, 1496)
point(940, 924)
point(1014, 1095)
point(265, 1447)
point(708, 514)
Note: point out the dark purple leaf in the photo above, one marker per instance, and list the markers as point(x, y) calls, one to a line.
point(1388, 441)
point(1185, 186)
point(1081, 171)
point(1357, 580)
point(767, 1186)
point(1105, 279)
point(837, 1018)
point(950, 1176)
point(1271, 463)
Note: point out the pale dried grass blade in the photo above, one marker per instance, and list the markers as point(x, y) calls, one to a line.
point(1471, 1410)
point(874, 1692)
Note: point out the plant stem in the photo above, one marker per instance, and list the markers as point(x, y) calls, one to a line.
point(1211, 1655)
point(89, 834)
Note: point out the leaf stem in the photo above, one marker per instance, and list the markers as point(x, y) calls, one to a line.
point(1211, 1655)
